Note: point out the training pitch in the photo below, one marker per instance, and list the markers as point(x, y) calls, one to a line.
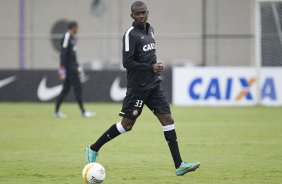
point(234, 145)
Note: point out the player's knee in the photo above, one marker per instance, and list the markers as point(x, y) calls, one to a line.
point(169, 119)
point(127, 124)
point(128, 128)
point(166, 119)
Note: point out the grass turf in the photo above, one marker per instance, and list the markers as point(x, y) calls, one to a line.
point(234, 145)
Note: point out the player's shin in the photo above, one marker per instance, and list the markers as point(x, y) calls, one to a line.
point(171, 138)
point(114, 131)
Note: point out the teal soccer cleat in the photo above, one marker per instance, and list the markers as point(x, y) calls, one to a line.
point(91, 155)
point(186, 167)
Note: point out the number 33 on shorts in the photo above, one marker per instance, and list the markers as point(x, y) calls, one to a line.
point(138, 103)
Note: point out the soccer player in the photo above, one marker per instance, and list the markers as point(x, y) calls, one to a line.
point(143, 88)
point(70, 71)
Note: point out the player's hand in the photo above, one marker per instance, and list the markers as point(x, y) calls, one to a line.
point(158, 68)
point(62, 73)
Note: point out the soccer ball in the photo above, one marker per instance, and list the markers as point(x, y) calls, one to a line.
point(93, 173)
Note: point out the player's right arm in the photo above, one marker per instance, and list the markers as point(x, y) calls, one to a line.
point(129, 46)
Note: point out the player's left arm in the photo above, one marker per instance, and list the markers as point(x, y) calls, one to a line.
point(63, 56)
point(157, 67)
point(65, 46)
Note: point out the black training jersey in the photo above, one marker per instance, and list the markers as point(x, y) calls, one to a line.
point(68, 53)
point(139, 55)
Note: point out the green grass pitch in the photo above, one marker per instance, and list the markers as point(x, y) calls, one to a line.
point(234, 145)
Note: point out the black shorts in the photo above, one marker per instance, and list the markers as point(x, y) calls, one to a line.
point(135, 99)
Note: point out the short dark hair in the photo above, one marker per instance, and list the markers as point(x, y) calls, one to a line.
point(137, 4)
point(72, 24)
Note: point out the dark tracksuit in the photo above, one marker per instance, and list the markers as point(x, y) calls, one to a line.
point(143, 86)
point(69, 62)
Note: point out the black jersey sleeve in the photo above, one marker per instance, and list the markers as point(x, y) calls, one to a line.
point(129, 47)
point(64, 50)
point(63, 57)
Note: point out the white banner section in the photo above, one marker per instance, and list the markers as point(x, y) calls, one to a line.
point(225, 86)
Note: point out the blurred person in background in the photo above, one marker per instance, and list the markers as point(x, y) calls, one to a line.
point(70, 72)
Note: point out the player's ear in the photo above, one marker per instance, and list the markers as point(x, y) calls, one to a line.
point(131, 15)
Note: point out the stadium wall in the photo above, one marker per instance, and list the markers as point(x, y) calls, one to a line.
point(188, 32)
point(45, 86)
point(192, 86)
point(223, 86)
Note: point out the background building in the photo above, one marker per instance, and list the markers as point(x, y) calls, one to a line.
point(188, 32)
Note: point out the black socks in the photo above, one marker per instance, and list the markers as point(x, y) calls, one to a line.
point(171, 138)
point(114, 131)
point(117, 129)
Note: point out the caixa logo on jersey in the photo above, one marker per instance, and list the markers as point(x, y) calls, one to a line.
point(148, 47)
point(214, 89)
